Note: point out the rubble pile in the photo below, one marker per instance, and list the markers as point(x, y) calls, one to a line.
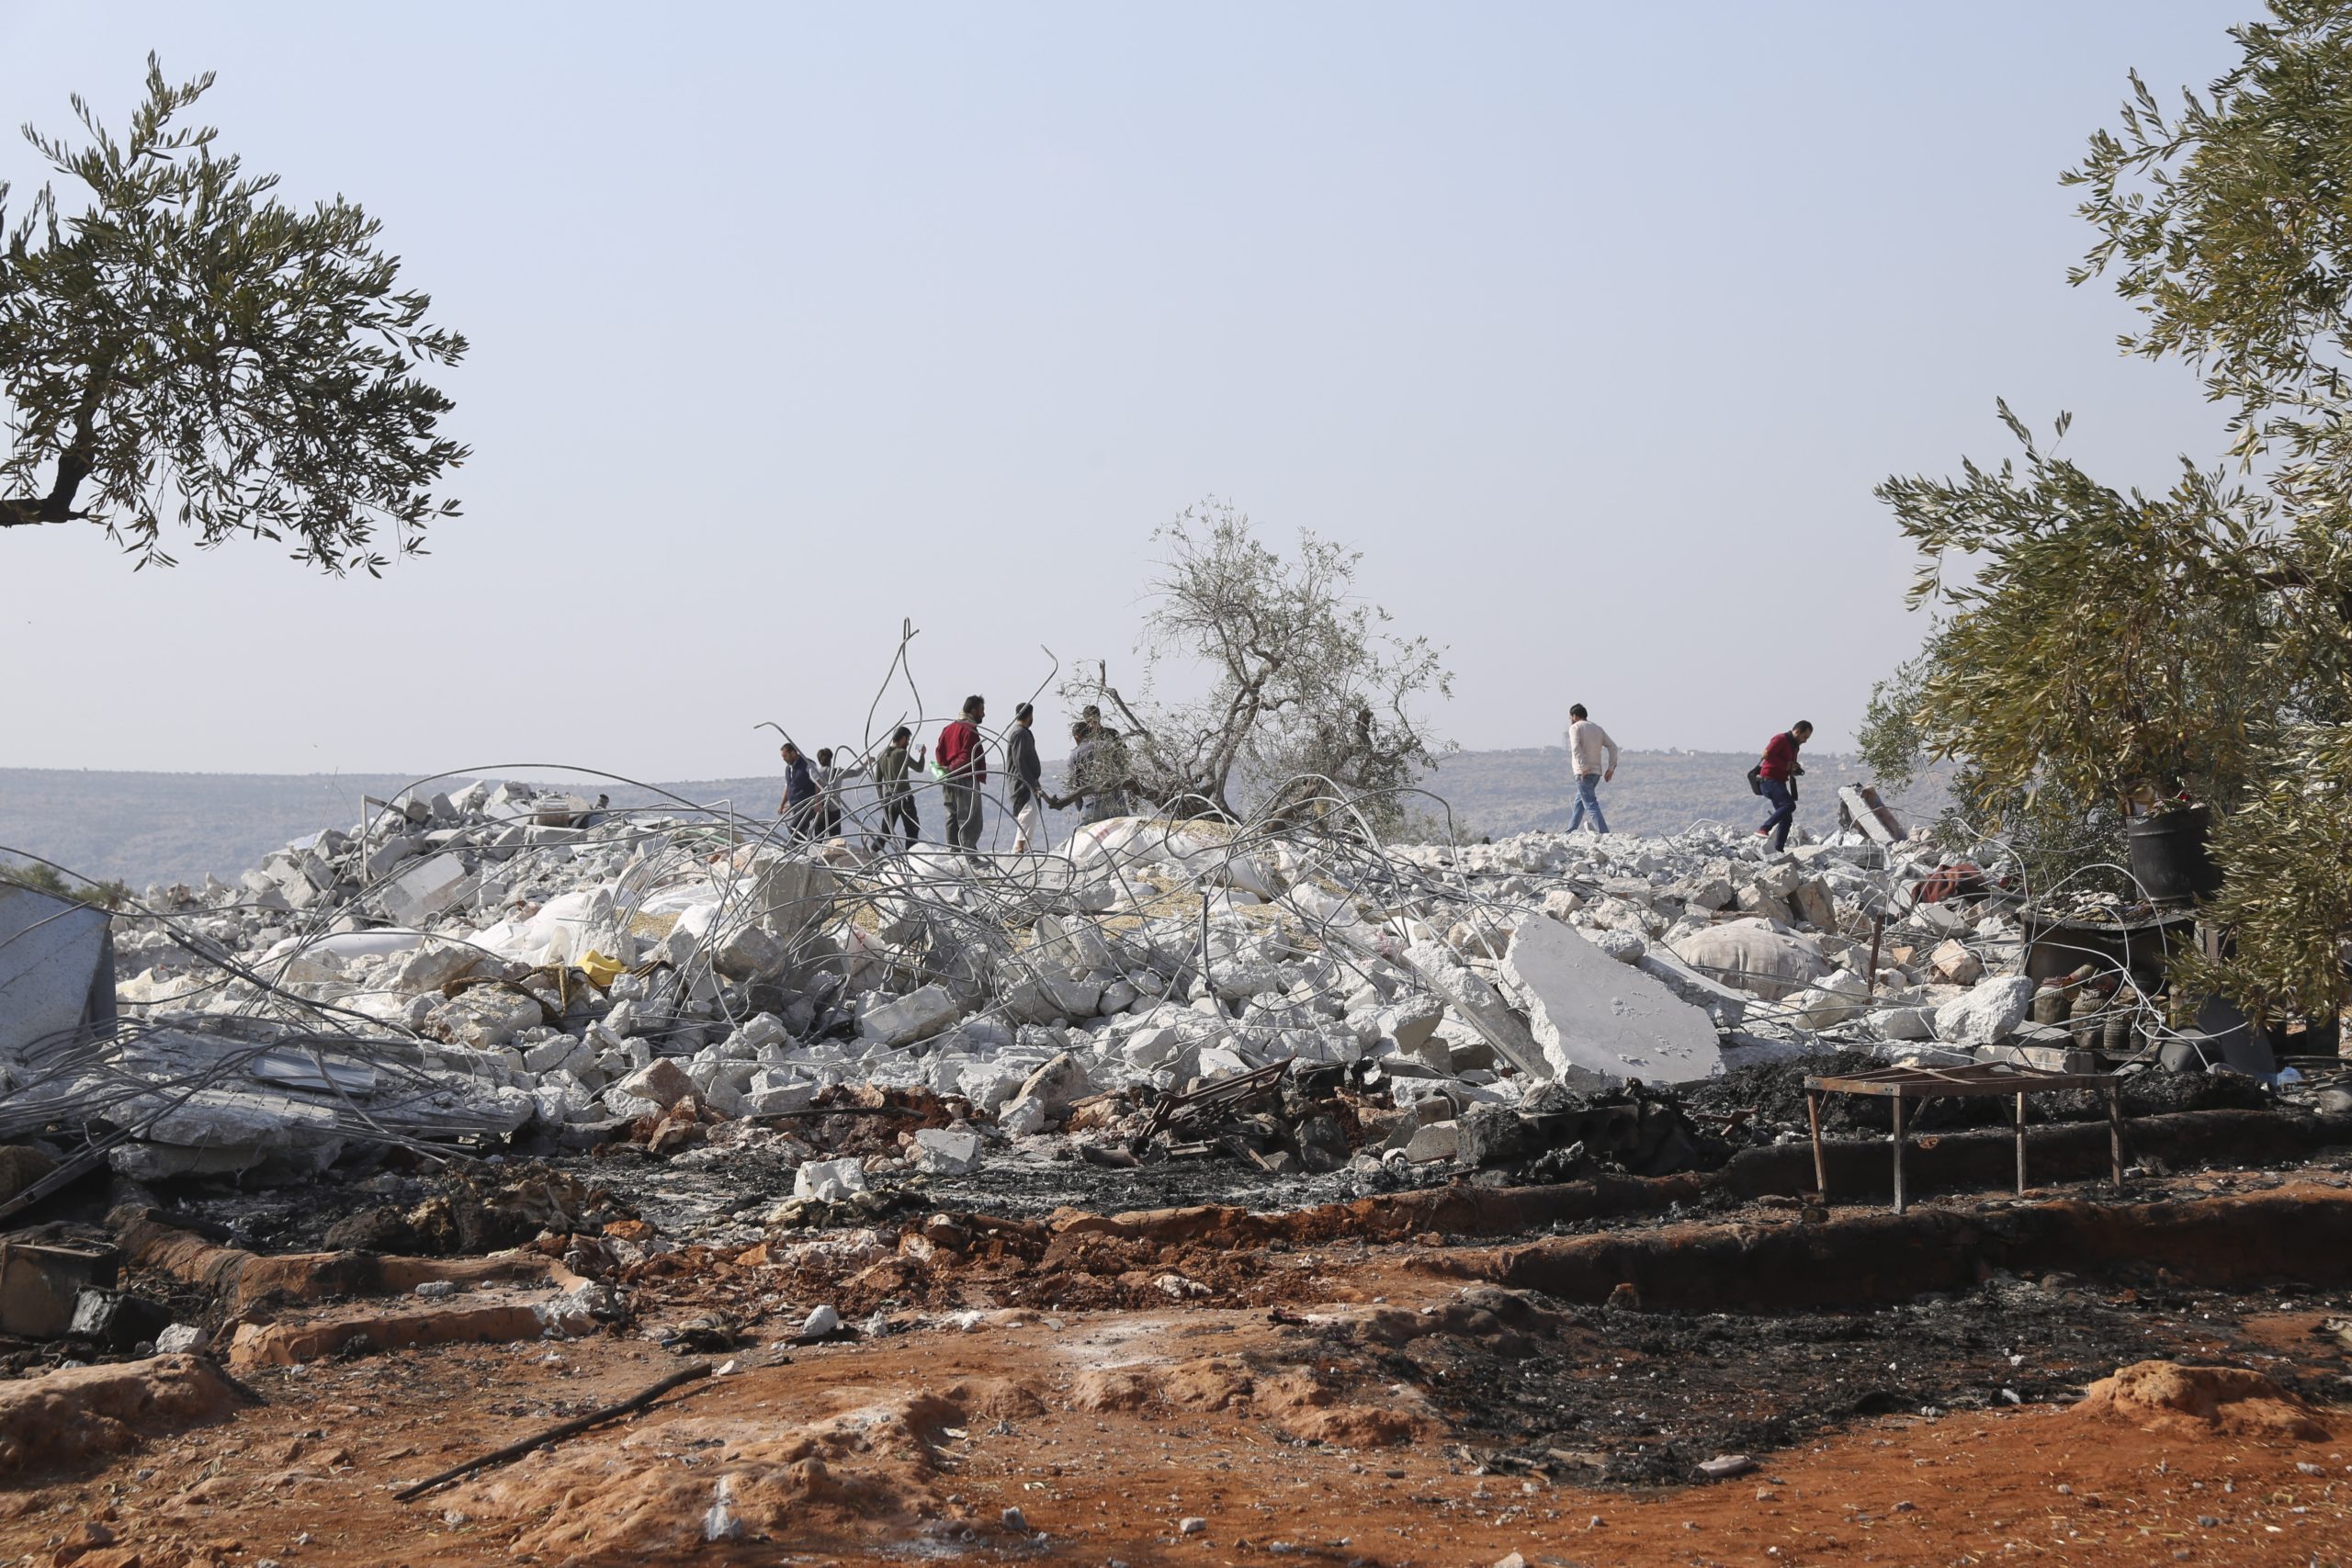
point(504, 963)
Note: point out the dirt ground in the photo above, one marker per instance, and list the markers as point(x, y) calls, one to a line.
point(1342, 1402)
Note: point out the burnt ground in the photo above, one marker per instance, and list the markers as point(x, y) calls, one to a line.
point(1632, 1398)
point(723, 1195)
point(1346, 1397)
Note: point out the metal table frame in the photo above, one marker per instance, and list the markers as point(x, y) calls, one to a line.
point(1904, 1084)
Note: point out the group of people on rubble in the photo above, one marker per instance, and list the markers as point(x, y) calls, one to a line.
point(1592, 757)
point(1098, 779)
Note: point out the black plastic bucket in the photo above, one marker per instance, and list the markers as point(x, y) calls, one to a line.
point(2168, 853)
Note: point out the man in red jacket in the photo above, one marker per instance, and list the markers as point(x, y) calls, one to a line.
point(1778, 774)
point(963, 759)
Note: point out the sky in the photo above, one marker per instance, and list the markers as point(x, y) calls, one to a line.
point(1591, 326)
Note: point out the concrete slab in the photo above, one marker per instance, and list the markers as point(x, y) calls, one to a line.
point(1726, 1007)
point(1594, 1017)
point(56, 970)
point(1475, 1002)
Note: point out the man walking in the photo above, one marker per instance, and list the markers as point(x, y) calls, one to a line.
point(1592, 756)
point(799, 805)
point(1027, 773)
point(829, 794)
point(964, 761)
point(1776, 775)
point(897, 794)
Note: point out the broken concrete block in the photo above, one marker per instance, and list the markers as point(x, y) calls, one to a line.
point(1492, 1136)
point(487, 1016)
point(548, 1055)
point(1954, 965)
point(390, 853)
point(1480, 1007)
point(988, 1085)
point(918, 1015)
point(827, 1180)
point(1814, 905)
point(425, 889)
point(1432, 1141)
point(1595, 1017)
point(1074, 999)
point(662, 1081)
point(748, 952)
point(1056, 1084)
point(1988, 1014)
point(1153, 1047)
point(1839, 997)
point(947, 1151)
point(1621, 945)
point(1726, 1007)
point(433, 964)
point(769, 1096)
point(1022, 1117)
point(1710, 894)
point(181, 1339)
point(1904, 1023)
point(1413, 1020)
point(792, 895)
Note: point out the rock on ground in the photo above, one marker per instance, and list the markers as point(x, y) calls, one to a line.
point(2161, 1396)
point(64, 1416)
point(1986, 1015)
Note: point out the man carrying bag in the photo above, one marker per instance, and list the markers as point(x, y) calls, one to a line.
point(1775, 778)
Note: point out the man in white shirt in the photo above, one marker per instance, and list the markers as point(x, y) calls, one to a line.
point(1592, 756)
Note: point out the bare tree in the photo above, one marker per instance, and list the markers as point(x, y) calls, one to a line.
point(1305, 680)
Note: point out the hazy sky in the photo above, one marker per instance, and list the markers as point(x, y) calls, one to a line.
point(1591, 327)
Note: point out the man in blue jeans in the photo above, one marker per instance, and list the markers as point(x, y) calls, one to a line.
point(1777, 776)
point(1592, 756)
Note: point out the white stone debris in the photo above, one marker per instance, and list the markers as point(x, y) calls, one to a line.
point(1986, 1015)
point(497, 962)
point(945, 1152)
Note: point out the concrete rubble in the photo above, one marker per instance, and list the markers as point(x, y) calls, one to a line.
point(496, 963)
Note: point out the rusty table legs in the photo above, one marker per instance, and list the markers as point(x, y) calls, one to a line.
point(1820, 1163)
point(2115, 1129)
point(1899, 1202)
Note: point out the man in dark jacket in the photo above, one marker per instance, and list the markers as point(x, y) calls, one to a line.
point(1776, 775)
point(963, 758)
point(800, 804)
point(896, 791)
point(1028, 774)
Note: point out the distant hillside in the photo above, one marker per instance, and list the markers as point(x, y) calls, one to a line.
point(141, 828)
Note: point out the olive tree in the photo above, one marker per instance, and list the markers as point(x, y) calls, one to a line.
point(183, 348)
point(2102, 645)
point(1307, 690)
